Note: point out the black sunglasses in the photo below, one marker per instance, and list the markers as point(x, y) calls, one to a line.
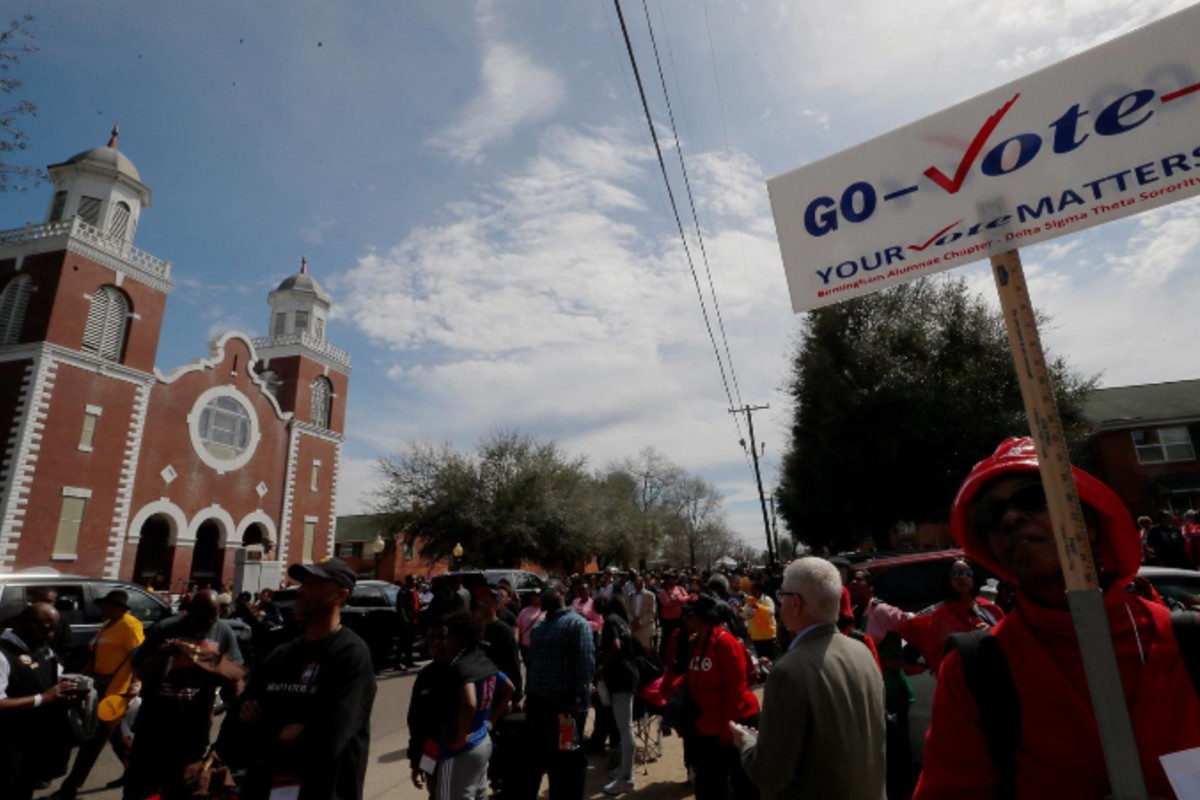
point(985, 517)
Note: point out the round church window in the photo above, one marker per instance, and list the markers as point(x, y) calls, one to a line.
point(224, 428)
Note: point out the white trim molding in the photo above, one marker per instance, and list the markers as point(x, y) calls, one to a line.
point(333, 493)
point(176, 519)
point(24, 444)
point(125, 485)
point(289, 493)
point(193, 418)
point(257, 518)
point(214, 513)
point(75, 491)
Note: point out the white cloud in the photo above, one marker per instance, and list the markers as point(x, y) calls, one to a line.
point(921, 53)
point(822, 118)
point(318, 225)
point(515, 91)
point(357, 480)
point(539, 304)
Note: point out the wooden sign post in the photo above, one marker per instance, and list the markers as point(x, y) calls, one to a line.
point(1070, 529)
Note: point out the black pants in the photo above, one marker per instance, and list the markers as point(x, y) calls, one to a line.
point(163, 746)
point(405, 635)
point(668, 626)
point(765, 648)
point(719, 773)
point(567, 769)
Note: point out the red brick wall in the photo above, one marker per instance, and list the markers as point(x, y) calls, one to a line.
point(1136, 484)
point(79, 278)
point(61, 463)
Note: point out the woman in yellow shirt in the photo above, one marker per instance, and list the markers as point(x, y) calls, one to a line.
point(112, 668)
point(759, 612)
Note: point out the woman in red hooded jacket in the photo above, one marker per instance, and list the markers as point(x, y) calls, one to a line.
point(1000, 520)
point(716, 683)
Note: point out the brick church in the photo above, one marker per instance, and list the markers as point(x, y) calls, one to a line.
point(113, 468)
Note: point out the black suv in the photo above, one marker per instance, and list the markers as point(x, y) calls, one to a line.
point(525, 583)
point(370, 612)
point(77, 603)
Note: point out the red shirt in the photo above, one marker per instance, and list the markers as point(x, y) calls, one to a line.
point(717, 682)
point(1060, 753)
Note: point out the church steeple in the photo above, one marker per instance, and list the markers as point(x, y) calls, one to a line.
point(299, 307)
point(102, 187)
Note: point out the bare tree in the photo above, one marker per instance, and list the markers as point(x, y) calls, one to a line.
point(15, 41)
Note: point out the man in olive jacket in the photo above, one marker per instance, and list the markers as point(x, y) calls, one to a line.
point(822, 725)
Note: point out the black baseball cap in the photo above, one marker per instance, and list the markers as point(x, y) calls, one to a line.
point(330, 569)
point(118, 597)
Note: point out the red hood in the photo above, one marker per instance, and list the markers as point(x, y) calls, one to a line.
point(1117, 544)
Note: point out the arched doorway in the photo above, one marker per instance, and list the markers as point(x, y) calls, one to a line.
point(155, 555)
point(208, 557)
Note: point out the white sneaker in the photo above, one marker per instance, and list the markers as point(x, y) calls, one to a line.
point(619, 787)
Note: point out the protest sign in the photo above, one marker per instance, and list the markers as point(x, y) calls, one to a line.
point(1110, 132)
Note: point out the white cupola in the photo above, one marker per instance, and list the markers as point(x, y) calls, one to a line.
point(102, 187)
point(299, 307)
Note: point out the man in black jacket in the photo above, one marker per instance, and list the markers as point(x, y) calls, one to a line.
point(33, 725)
point(408, 608)
point(307, 710)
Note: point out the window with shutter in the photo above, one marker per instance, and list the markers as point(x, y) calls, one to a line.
point(70, 520)
point(104, 333)
point(280, 324)
point(301, 321)
point(13, 302)
point(89, 210)
point(322, 394)
point(120, 221)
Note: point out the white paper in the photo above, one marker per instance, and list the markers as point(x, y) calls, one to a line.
point(1183, 770)
point(285, 793)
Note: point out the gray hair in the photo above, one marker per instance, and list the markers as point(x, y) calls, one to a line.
point(819, 583)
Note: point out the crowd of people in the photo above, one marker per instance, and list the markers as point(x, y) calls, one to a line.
point(780, 683)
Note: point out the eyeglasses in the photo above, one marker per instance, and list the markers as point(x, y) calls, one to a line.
point(962, 572)
point(986, 517)
point(782, 594)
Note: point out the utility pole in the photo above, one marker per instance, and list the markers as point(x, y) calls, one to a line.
point(747, 410)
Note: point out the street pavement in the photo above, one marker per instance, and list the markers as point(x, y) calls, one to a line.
point(388, 774)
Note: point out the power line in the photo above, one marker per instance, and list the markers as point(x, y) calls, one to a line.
point(712, 51)
point(691, 201)
point(662, 164)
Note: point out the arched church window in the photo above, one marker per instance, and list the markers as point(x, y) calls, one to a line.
point(119, 226)
point(13, 302)
point(104, 333)
point(322, 400)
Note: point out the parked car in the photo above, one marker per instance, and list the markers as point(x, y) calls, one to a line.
point(370, 612)
point(524, 582)
point(913, 581)
point(1180, 588)
point(77, 603)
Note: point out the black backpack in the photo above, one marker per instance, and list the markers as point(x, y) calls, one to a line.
point(988, 678)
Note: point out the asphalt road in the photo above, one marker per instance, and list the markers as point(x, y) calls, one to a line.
point(388, 772)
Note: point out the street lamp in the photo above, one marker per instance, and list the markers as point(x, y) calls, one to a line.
point(376, 548)
point(458, 554)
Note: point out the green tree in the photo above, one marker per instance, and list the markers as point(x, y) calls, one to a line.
point(14, 42)
point(514, 498)
point(895, 396)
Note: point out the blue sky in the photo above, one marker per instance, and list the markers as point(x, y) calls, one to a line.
point(474, 184)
